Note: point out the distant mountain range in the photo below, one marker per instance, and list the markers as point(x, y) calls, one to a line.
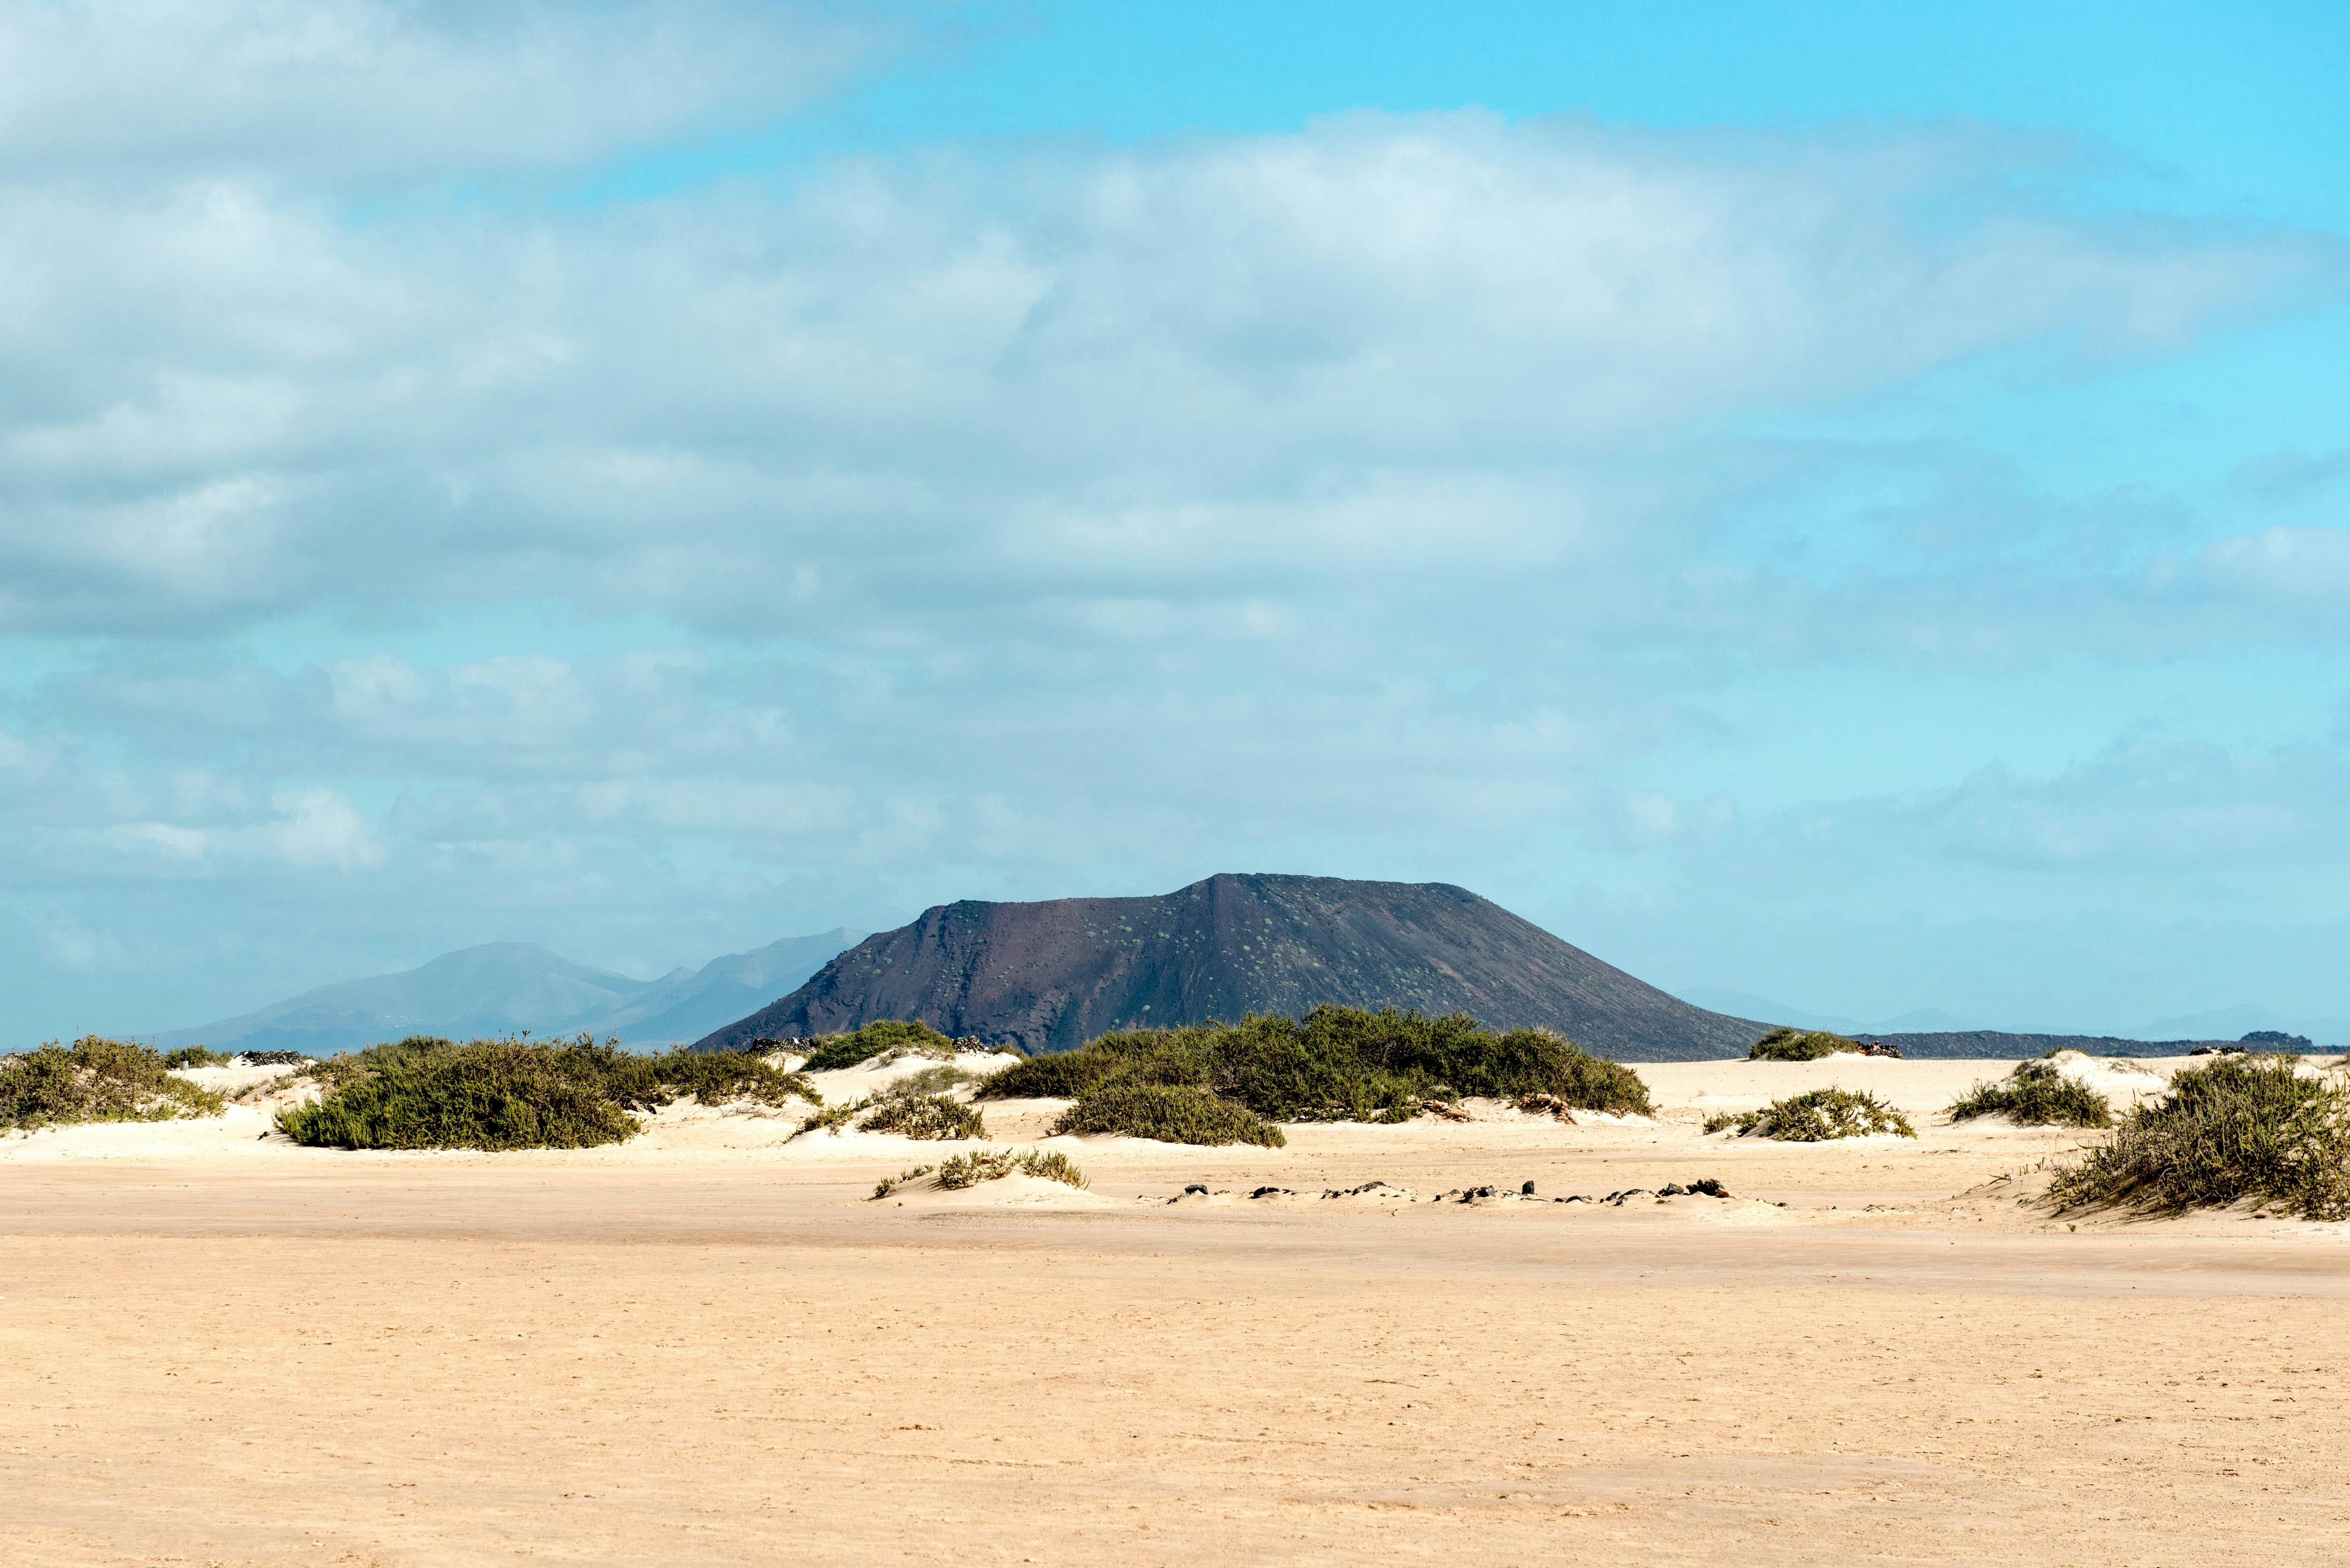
point(501, 987)
point(1048, 976)
point(2227, 1023)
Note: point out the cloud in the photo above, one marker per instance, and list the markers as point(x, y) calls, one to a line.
point(381, 90)
point(1440, 348)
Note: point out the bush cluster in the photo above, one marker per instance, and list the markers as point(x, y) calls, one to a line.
point(1784, 1045)
point(1337, 1063)
point(1818, 1116)
point(2036, 1095)
point(891, 1037)
point(1170, 1113)
point(2242, 1127)
point(194, 1056)
point(95, 1080)
point(424, 1092)
point(907, 1111)
point(995, 1164)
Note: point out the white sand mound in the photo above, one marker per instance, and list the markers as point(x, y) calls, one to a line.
point(1018, 1190)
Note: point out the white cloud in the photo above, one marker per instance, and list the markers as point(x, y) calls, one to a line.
point(374, 89)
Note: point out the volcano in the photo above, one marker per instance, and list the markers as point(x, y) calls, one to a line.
point(1050, 976)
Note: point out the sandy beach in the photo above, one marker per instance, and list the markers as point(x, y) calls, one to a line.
point(709, 1345)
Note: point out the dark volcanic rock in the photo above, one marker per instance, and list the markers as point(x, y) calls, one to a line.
point(1049, 976)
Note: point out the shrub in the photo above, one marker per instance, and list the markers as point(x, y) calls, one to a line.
point(937, 1079)
point(831, 1053)
point(271, 1058)
point(1336, 1064)
point(993, 1164)
point(95, 1080)
point(1134, 1056)
point(1817, 1118)
point(920, 1116)
point(2244, 1127)
point(195, 1056)
point(2036, 1095)
point(1784, 1045)
point(425, 1092)
point(832, 1118)
point(1170, 1113)
point(490, 1095)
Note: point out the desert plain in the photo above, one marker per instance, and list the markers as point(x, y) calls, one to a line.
point(713, 1345)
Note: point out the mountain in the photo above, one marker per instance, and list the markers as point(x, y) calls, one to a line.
point(1049, 976)
point(489, 990)
point(689, 1003)
point(1746, 1004)
point(2235, 1023)
point(502, 987)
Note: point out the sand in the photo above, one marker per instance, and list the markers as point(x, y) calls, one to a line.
point(709, 1346)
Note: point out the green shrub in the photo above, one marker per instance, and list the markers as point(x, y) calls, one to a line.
point(831, 1053)
point(920, 1116)
point(1135, 1055)
point(993, 1165)
point(1338, 1064)
point(425, 1092)
point(1170, 1113)
point(1817, 1118)
point(2244, 1127)
point(95, 1080)
point(2036, 1095)
point(490, 1095)
point(937, 1079)
point(1784, 1045)
point(195, 1056)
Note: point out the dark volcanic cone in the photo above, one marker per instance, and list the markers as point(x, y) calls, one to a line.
point(1053, 975)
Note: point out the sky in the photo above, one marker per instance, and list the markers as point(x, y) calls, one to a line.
point(1843, 502)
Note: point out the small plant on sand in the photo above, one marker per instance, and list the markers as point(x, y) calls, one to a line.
point(888, 1184)
point(938, 1079)
point(1818, 1116)
point(2250, 1126)
point(993, 1165)
point(95, 1080)
point(907, 1037)
point(832, 1118)
point(910, 1114)
point(1784, 1045)
point(1170, 1113)
point(2036, 1095)
point(194, 1056)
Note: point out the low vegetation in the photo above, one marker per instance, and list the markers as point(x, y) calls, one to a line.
point(424, 1092)
point(995, 1164)
point(888, 1184)
point(95, 1080)
point(2036, 1095)
point(910, 1113)
point(1337, 1063)
point(194, 1056)
point(884, 1039)
point(2244, 1127)
point(1170, 1113)
point(1818, 1116)
point(1784, 1045)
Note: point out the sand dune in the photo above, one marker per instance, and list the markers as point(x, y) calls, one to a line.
point(711, 1346)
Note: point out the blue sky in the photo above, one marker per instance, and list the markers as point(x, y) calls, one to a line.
point(1845, 504)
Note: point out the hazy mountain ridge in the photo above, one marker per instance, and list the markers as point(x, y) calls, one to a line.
point(502, 987)
point(1052, 974)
